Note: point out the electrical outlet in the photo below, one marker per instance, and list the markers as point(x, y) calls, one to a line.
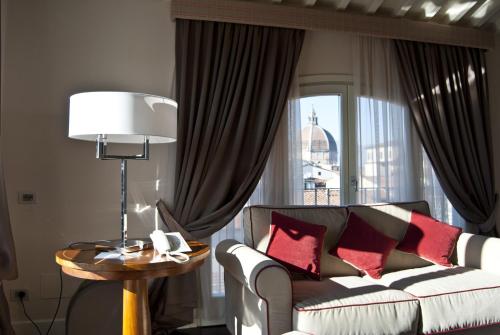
point(15, 294)
point(26, 197)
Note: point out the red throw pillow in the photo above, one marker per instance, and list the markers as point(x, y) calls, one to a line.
point(430, 239)
point(364, 247)
point(296, 244)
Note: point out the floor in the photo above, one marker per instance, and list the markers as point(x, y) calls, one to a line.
point(215, 330)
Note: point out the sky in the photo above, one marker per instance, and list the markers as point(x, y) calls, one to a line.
point(327, 108)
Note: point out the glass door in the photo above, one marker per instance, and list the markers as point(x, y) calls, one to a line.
point(325, 144)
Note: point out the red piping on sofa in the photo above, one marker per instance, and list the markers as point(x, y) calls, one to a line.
point(304, 309)
point(265, 300)
point(464, 328)
point(454, 292)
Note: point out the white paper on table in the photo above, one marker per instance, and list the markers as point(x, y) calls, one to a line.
point(114, 255)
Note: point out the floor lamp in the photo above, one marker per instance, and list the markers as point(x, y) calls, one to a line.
point(122, 117)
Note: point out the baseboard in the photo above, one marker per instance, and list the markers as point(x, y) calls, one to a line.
point(204, 323)
point(27, 328)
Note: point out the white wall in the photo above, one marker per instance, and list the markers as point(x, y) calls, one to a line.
point(55, 48)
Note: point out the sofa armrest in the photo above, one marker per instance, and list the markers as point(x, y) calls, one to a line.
point(480, 252)
point(265, 278)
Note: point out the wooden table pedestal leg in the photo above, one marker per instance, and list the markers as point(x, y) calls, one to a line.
point(136, 320)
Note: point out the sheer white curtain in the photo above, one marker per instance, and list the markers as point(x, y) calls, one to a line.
point(431, 191)
point(391, 163)
point(282, 180)
point(280, 184)
point(385, 146)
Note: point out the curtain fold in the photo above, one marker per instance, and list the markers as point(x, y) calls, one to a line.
point(386, 152)
point(447, 91)
point(8, 263)
point(5, 323)
point(232, 86)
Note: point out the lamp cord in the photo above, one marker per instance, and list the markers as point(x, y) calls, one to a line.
point(92, 243)
point(28, 317)
point(58, 302)
point(21, 298)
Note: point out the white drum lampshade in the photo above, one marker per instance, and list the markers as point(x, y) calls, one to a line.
point(123, 117)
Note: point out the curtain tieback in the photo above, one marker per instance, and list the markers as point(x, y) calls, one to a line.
point(170, 222)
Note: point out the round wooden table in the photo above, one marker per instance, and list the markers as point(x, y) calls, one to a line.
point(134, 270)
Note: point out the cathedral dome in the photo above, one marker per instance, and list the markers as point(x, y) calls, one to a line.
point(318, 145)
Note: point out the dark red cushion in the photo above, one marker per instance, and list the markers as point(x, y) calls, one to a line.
point(296, 244)
point(363, 246)
point(430, 239)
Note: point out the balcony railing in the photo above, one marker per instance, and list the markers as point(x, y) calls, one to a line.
point(325, 196)
point(322, 196)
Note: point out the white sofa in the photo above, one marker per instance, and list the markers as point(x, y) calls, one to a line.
point(412, 297)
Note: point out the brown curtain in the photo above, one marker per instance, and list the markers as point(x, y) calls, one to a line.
point(5, 323)
point(232, 84)
point(8, 265)
point(447, 91)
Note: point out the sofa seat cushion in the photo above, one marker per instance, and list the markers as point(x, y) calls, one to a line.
point(450, 298)
point(352, 305)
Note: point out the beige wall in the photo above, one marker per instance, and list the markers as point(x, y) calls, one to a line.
point(326, 53)
point(54, 49)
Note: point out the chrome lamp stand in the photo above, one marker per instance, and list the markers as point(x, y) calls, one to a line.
point(124, 245)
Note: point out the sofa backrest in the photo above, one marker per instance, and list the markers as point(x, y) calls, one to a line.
point(392, 219)
point(257, 223)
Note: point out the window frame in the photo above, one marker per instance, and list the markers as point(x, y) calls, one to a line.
point(330, 84)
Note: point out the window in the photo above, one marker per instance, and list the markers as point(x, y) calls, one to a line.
point(384, 151)
point(324, 143)
point(362, 150)
point(354, 148)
